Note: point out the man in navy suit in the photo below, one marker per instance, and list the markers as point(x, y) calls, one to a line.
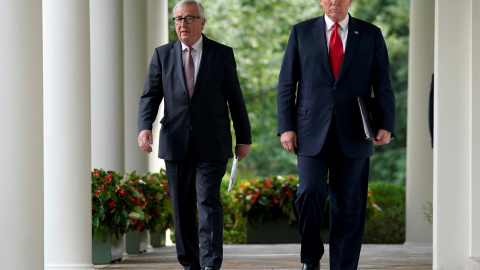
point(197, 80)
point(329, 62)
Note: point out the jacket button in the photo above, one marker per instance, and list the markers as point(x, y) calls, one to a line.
point(334, 88)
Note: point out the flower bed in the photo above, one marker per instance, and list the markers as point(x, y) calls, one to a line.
point(269, 198)
point(265, 199)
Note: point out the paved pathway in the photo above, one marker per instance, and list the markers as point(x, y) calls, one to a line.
point(285, 257)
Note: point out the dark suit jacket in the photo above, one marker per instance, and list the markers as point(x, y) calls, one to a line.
point(307, 91)
point(204, 116)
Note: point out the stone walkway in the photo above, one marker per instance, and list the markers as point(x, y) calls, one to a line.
point(283, 256)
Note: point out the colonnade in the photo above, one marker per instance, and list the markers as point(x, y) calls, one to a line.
point(71, 75)
point(71, 72)
point(453, 182)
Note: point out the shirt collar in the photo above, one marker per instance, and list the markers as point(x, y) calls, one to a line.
point(329, 23)
point(197, 46)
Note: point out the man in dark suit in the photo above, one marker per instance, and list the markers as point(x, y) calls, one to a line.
point(197, 80)
point(330, 61)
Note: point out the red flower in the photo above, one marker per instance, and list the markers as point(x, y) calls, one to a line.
point(96, 193)
point(97, 174)
point(112, 204)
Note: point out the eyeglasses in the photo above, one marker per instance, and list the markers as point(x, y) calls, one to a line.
point(188, 19)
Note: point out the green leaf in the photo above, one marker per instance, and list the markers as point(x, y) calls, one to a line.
point(104, 196)
point(124, 213)
point(101, 210)
point(134, 215)
point(95, 221)
point(117, 218)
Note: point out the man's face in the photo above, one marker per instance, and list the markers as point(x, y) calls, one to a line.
point(336, 10)
point(189, 33)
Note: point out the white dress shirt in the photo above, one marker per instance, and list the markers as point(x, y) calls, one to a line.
point(196, 55)
point(342, 30)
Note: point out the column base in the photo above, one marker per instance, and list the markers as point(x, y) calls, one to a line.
point(69, 266)
point(474, 263)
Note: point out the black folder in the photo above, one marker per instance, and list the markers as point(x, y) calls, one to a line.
point(367, 108)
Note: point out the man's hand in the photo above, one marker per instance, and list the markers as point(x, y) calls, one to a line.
point(242, 151)
point(383, 137)
point(289, 141)
point(145, 140)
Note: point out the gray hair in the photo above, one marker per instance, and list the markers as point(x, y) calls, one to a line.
point(201, 12)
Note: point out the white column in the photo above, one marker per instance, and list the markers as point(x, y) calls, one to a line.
point(475, 72)
point(453, 134)
point(135, 37)
point(21, 135)
point(106, 33)
point(419, 152)
point(68, 217)
point(157, 17)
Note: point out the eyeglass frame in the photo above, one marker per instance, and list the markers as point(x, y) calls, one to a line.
point(184, 19)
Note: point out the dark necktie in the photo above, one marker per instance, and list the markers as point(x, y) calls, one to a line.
point(336, 50)
point(189, 72)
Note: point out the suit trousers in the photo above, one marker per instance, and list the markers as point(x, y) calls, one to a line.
point(193, 181)
point(348, 188)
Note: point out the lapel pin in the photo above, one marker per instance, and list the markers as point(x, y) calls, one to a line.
point(356, 32)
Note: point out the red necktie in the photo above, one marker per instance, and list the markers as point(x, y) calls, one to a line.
point(189, 70)
point(336, 50)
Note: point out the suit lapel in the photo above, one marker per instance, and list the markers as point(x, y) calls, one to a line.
point(321, 44)
point(177, 56)
point(202, 70)
point(351, 48)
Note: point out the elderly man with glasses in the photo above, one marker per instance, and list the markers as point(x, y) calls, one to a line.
point(197, 80)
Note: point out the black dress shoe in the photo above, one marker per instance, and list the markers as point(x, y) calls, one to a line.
point(309, 266)
point(209, 268)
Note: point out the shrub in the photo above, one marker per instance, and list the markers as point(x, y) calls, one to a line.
point(389, 225)
point(129, 203)
point(263, 200)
